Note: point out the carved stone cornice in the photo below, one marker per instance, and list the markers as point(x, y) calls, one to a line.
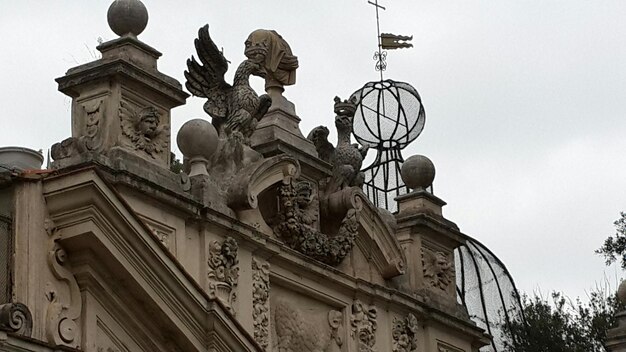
point(92, 217)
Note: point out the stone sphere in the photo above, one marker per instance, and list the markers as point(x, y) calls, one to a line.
point(127, 17)
point(197, 138)
point(417, 172)
point(621, 292)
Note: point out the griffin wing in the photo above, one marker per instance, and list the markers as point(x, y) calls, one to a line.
point(207, 79)
point(128, 119)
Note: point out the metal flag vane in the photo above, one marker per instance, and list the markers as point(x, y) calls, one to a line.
point(387, 41)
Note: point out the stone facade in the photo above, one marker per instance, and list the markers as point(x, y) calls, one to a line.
point(254, 247)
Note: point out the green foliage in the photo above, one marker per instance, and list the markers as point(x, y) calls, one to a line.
point(562, 325)
point(175, 165)
point(615, 246)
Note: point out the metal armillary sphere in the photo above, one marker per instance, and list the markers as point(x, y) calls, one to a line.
point(389, 116)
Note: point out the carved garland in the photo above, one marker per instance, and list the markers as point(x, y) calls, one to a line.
point(363, 321)
point(260, 301)
point(63, 313)
point(223, 271)
point(294, 230)
point(404, 334)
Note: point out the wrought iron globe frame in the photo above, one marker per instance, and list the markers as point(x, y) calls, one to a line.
point(382, 177)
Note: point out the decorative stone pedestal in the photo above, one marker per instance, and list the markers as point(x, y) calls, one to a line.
point(279, 132)
point(120, 101)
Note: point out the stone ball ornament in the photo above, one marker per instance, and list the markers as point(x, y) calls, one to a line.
point(197, 140)
point(418, 172)
point(127, 17)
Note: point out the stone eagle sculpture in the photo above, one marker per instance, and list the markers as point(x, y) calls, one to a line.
point(236, 107)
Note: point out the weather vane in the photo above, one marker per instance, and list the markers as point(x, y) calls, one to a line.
point(387, 41)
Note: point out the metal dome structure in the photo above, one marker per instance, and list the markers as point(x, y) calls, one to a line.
point(486, 289)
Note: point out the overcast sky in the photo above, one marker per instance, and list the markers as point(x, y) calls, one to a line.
point(525, 101)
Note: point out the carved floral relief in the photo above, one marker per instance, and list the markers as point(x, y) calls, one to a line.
point(363, 324)
point(260, 301)
point(404, 333)
point(438, 269)
point(223, 271)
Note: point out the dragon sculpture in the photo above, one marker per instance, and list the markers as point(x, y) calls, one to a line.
point(236, 107)
point(346, 158)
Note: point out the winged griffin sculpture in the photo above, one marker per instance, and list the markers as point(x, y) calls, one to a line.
point(237, 107)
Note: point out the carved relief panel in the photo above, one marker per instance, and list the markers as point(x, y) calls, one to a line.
point(223, 271)
point(144, 130)
point(438, 269)
point(300, 324)
point(261, 301)
point(363, 326)
point(404, 333)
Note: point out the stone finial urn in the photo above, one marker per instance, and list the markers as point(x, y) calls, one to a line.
point(20, 158)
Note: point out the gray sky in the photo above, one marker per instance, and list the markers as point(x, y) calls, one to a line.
point(524, 101)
